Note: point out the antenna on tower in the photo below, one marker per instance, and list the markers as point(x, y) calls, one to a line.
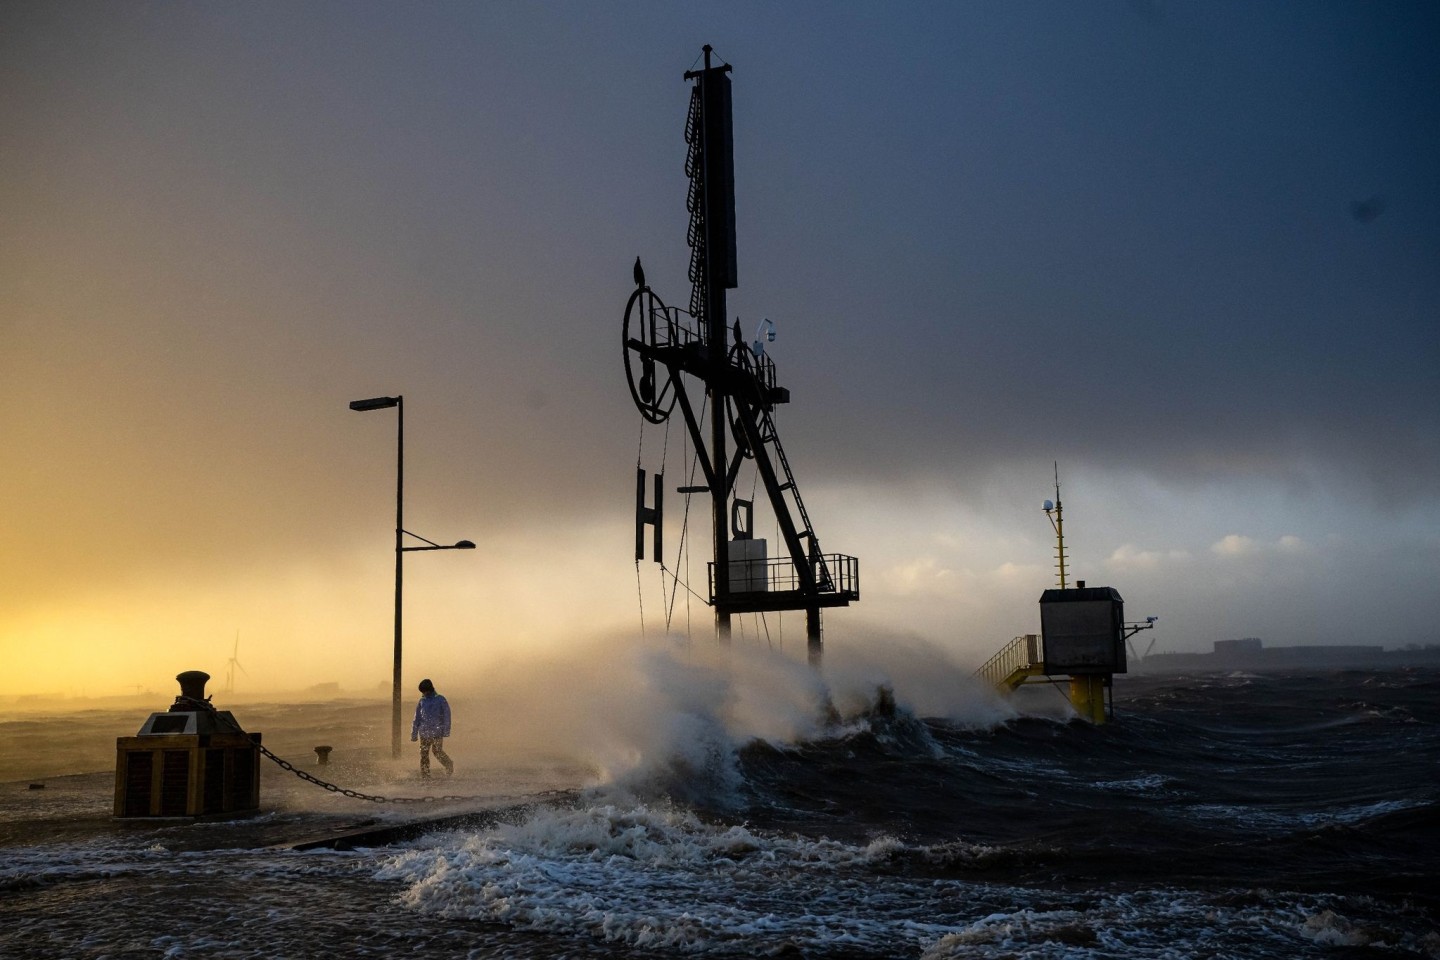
point(1057, 520)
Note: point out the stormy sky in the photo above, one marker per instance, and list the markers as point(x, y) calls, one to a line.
point(1189, 251)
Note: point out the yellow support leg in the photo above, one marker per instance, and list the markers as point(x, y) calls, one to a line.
point(1087, 696)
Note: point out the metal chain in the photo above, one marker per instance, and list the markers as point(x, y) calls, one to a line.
point(353, 795)
point(356, 794)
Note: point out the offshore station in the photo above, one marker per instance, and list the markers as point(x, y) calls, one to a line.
point(1082, 639)
point(696, 360)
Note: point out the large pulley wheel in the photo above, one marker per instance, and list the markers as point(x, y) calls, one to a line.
point(647, 326)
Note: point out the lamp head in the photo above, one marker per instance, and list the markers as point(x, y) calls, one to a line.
point(465, 545)
point(374, 403)
point(1048, 506)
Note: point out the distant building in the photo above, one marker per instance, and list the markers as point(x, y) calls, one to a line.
point(1250, 653)
point(1245, 646)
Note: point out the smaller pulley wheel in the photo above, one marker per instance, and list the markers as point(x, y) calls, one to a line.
point(741, 359)
point(737, 430)
point(646, 328)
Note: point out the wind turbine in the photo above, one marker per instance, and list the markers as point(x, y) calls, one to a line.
point(232, 664)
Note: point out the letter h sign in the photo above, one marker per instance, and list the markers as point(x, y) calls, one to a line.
point(652, 515)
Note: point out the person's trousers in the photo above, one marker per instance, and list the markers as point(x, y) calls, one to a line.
point(437, 744)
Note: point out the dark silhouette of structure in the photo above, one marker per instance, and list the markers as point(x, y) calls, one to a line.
point(667, 348)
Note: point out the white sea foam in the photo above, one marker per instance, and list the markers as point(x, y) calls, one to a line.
point(663, 718)
point(119, 898)
point(660, 877)
point(619, 703)
point(1149, 783)
point(1160, 924)
point(1331, 928)
point(1282, 820)
point(655, 880)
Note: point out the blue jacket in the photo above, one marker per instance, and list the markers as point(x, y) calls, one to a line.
point(432, 717)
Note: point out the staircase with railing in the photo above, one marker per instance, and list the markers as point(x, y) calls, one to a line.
point(759, 378)
point(1016, 662)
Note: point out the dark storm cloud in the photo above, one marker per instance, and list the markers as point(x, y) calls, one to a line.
point(986, 233)
point(1079, 235)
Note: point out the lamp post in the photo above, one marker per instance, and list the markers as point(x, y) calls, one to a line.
point(384, 403)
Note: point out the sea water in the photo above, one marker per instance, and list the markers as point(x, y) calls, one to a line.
point(1233, 815)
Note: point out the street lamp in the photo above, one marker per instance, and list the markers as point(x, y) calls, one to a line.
point(384, 403)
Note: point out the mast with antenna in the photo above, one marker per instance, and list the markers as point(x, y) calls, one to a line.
point(1056, 514)
point(698, 359)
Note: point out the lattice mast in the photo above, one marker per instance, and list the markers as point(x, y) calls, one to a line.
point(1056, 513)
point(710, 165)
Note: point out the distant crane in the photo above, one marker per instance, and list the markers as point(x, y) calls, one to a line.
point(232, 664)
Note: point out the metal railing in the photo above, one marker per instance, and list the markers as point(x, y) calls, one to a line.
point(673, 327)
point(836, 573)
point(1022, 653)
point(760, 366)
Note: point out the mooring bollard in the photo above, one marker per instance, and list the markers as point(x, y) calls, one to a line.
point(189, 761)
point(323, 754)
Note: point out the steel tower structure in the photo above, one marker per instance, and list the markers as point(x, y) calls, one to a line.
point(669, 351)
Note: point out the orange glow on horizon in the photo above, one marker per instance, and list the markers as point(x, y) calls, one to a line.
point(312, 623)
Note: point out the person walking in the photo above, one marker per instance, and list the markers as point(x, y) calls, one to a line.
point(431, 727)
